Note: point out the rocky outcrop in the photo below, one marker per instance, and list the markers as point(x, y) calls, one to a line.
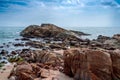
point(102, 38)
point(108, 43)
point(117, 37)
point(87, 64)
point(34, 71)
point(26, 71)
point(79, 63)
point(45, 30)
point(50, 31)
point(45, 57)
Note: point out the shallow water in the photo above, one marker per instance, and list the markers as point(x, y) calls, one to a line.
point(9, 34)
point(95, 31)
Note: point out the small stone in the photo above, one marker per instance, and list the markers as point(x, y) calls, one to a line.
point(45, 73)
point(12, 78)
point(54, 78)
point(37, 79)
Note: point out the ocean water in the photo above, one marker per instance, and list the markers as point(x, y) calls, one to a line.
point(9, 34)
point(96, 31)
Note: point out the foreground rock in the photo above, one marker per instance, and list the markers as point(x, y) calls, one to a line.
point(34, 71)
point(46, 57)
point(115, 56)
point(25, 71)
point(86, 64)
point(50, 31)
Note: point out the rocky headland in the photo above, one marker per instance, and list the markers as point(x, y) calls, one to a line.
point(50, 52)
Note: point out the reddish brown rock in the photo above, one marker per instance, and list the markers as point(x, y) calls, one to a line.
point(45, 73)
point(85, 64)
point(25, 71)
point(100, 64)
point(115, 56)
point(44, 57)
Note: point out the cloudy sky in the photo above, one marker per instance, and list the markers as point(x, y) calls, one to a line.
point(78, 13)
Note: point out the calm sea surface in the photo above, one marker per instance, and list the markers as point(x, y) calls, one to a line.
point(8, 34)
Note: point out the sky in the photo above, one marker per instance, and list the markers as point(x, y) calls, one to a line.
point(73, 13)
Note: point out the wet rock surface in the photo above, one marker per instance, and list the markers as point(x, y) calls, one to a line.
point(35, 44)
point(4, 52)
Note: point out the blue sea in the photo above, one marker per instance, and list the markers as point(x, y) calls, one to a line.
point(9, 34)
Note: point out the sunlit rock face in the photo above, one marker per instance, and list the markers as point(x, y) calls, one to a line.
point(87, 64)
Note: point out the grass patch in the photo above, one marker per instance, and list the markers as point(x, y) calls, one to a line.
point(15, 59)
point(1, 65)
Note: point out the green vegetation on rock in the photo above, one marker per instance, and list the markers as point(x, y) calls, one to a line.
point(1, 65)
point(15, 59)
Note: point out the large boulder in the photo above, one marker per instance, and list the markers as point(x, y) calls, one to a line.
point(50, 31)
point(45, 30)
point(24, 71)
point(28, 71)
point(86, 64)
point(115, 56)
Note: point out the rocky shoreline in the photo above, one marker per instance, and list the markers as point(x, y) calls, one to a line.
point(48, 49)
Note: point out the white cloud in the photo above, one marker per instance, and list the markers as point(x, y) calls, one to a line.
point(66, 13)
point(73, 3)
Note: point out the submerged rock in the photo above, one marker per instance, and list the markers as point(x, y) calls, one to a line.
point(18, 44)
point(1, 46)
point(25, 39)
point(4, 52)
